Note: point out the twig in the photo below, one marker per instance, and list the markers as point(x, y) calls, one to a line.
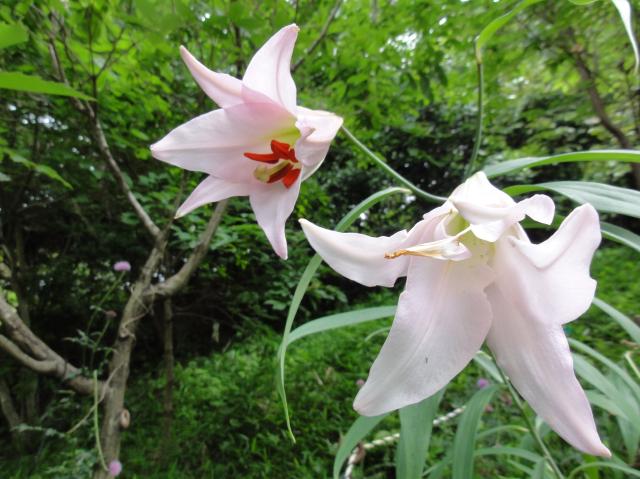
point(320, 37)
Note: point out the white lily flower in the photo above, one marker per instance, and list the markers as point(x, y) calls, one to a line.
point(472, 274)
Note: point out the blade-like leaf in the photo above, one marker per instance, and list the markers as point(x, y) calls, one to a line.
point(498, 169)
point(465, 439)
point(604, 198)
point(33, 84)
point(605, 465)
point(303, 284)
point(358, 430)
point(40, 168)
point(341, 320)
point(620, 235)
point(486, 363)
point(623, 320)
point(416, 423)
point(624, 8)
point(490, 30)
point(12, 34)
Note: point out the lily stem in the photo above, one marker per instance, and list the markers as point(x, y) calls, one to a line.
point(393, 173)
point(478, 139)
point(534, 432)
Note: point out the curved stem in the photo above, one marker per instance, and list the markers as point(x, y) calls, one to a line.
point(534, 432)
point(478, 138)
point(393, 173)
point(96, 428)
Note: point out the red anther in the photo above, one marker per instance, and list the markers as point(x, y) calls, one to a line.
point(280, 174)
point(283, 150)
point(291, 177)
point(263, 157)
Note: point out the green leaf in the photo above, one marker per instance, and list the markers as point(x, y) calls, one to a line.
point(416, 423)
point(582, 2)
point(505, 451)
point(12, 34)
point(465, 439)
point(623, 320)
point(303, 284)
point(40, 168)
point(489, 31)
point(33, 84)
point(358, 430)
point(486, 363)
point(510, 166)
point(620, 235)
point(624, 9)
point(605, 465)
point(340, 320)
point(604, 198)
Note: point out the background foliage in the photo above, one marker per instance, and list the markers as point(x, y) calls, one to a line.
point(402, 74)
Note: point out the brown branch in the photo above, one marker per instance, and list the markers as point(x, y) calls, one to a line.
point(103, 146)
point(176, 282)
point(320, 37)
point(40, 357)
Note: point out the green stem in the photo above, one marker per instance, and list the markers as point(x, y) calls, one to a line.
point(96, 428)
point(530, 426)
point(478, 140)
point(393, 173)
point(98, 307)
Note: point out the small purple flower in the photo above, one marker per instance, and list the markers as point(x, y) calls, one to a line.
point(482, 383)
point(122, 266)
point(360, 383)
point(115, 466)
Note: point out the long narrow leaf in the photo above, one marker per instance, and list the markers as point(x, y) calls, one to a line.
point(498, 169)
point(465, 439)
point(303, 284)
point(12, 34)
point(356, 433)
point(624, 9)
point(34, 84)
point(604, 198)
point(605, 465)
point(416, 423)
point(620, 235)
point(486, 363)
point(623, 320)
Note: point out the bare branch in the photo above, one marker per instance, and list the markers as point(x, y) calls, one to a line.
point(179, 280)
point(318, 40)
point(40, 357)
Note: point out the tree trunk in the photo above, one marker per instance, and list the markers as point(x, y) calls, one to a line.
point(169, 362)
point(11, 415)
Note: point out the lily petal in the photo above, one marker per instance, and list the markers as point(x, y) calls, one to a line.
point(550, 282)
point(224, 89)
point(536, 357)
point(442, 319)
point(269, 71)
point(360, 257)
point(272, 205)
point(215, 142)
point(312, 149)
point(210, 190)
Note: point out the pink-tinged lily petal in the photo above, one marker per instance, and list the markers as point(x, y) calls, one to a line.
point(442, 320)
point(360, 257)
point(224, 89)
point(312, 149)
point(550, 282)
point(272, 205)
point(210, 190)
point(215, 142)
point(536, 357)
point(269, 71)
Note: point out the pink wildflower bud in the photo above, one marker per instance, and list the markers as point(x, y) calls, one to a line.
point(482, 383)
point(110, 314)
point(115, 468)
point(122, 266)
point(360, 383)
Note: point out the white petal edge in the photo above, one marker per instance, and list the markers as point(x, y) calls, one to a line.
point(550, 282)
point(224, 89)
point(272, 205)
point(210, 190)
point(442, 319)
point(536, 357)
point(269, 71)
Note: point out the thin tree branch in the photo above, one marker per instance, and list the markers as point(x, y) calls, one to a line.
point(179, 280)
point(42, 358)
point(320, 37)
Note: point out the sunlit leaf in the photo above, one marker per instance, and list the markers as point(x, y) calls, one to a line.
point(33, 84)
point(12, 34)
point(623, 320)
point(624, 8)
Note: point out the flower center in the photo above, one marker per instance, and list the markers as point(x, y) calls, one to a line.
point(285, 165)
